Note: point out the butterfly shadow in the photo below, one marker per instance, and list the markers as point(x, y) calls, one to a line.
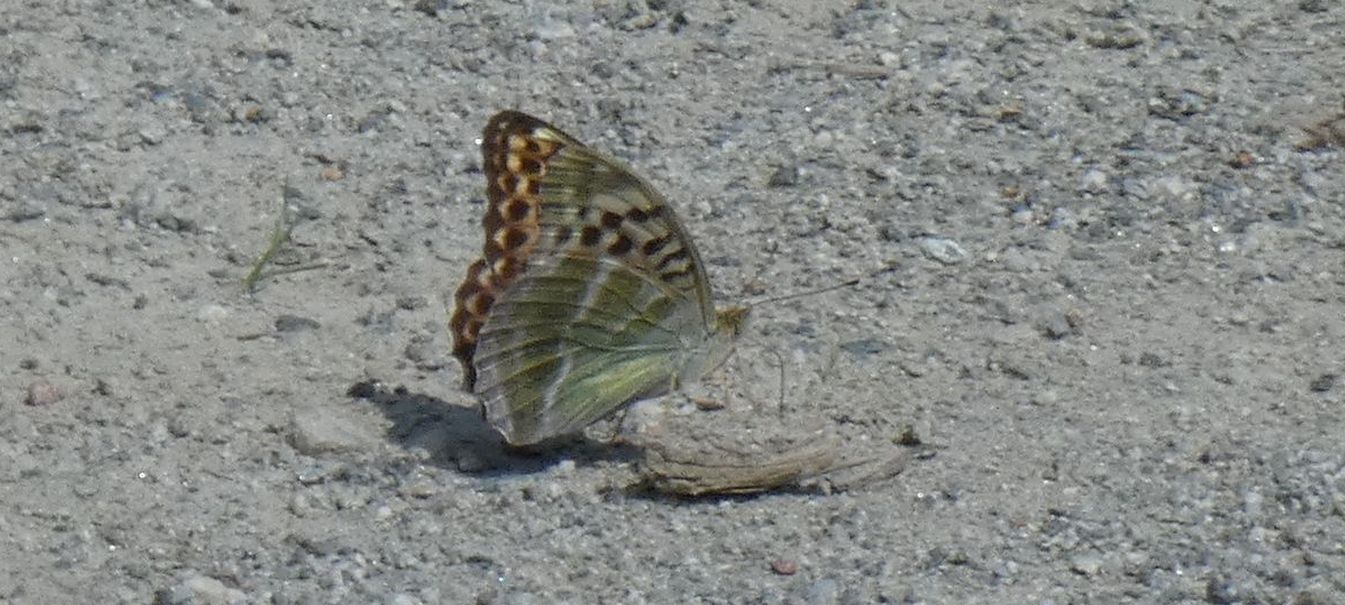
point(459, 438)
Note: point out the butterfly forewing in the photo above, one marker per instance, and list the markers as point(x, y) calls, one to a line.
point(590, 295)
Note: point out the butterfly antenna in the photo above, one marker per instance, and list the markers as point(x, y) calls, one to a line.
point(793, 295)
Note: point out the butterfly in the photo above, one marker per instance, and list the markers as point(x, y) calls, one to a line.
point(589, 294)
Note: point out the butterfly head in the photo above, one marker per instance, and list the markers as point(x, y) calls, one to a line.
point(731, 321)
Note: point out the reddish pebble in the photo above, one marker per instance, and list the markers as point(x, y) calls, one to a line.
point(784, 567)
point(706, 404)
point(42, 393)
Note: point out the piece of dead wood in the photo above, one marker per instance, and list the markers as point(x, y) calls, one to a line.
point(821, 464)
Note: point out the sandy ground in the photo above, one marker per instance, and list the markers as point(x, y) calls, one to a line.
point(1105, 282)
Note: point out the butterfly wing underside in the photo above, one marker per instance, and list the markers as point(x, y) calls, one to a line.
point(590, 295)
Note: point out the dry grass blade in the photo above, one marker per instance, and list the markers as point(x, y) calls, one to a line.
point(280, 237)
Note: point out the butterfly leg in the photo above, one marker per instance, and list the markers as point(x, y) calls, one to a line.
point(619, 422)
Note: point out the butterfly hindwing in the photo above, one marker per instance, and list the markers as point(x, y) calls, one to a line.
point(557, 352)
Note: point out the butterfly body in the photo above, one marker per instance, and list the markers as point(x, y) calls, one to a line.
point(589, 296)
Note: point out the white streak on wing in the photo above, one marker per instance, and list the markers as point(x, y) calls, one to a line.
point(592, 290)
point(549, 395)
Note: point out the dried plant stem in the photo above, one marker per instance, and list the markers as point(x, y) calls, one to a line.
point(280, 236)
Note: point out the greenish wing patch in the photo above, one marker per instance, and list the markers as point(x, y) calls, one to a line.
point(593, 302)
point(576, 339)
point(596, 384)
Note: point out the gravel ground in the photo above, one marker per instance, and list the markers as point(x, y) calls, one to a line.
point(1104, 260)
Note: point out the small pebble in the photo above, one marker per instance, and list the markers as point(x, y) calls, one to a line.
point(313, 432)
point(212, 313)
point(1088, 565)
point(469, 461)
point(200, 589)
point(1323, 383)
point(42, 393)
point(707, 404)
point(909, 435)
point(943, 250)
point(824, 592)
point(785, 176)
point(419, 489)
point(295, 323)
point(1093, 181)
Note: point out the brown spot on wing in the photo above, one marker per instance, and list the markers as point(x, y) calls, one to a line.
point(679, 254)
point(516, 210)
point(637, 215)
point(589, 236)
point(563, 234)
point(652, 247)
point(512, 238)
point(621, 245)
